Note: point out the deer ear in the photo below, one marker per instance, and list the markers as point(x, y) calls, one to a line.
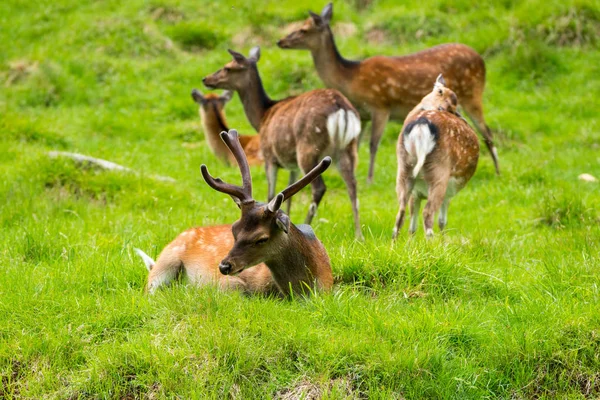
point(254, 53)
point(327, 13)
point(237, 201)
point(237, 56)
point(440, 80)
point(316, 19)
point(227, 96)
point(197, 96)
point(283, 222)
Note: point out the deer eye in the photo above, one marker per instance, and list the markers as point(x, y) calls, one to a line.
point(261, 241)
point(227, 69)
point(440, 92)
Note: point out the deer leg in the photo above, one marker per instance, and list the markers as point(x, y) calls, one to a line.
point(435, 198)
point(167, 267)
point(379, 119)
point(475, 113)
point(363, 130)
point(271, 171)
point(404, 185)
point(232, 283)
point(318, 191)
point(443, 217)
point(293, 177)
point(347, 166)
point(415, 206)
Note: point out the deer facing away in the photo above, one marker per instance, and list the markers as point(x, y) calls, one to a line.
point(297, 131)
point(212, 115)
point(384, 88)
point(262, 252)
point(437, 155)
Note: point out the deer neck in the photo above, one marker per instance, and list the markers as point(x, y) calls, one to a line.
point(213, 122)
point(255, 100)
point(333, 69)
point(301, 263)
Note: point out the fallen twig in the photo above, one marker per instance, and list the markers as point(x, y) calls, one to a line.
point(104, 164)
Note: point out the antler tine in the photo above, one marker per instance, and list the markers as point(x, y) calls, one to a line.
point(232, 141)
point(299, 185)
point(220, 186)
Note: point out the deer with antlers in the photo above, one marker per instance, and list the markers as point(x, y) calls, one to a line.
point(262, 252)
point(212, 116)
point(297, 131)
point(384, 88)
point(437, 155)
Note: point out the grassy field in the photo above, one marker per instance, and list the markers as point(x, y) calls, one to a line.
point(504, 305)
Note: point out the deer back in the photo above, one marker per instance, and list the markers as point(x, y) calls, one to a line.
point(308, 122)
point(456, 146)
point(399, 83)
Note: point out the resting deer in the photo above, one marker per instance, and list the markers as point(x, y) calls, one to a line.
point(437, 155)
point(384, 87)
point(297, 131)
point(260, 253)
point(212, 115)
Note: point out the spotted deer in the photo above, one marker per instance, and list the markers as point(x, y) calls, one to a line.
point(441, 98)
point(212, 115)
point(437, 155)
point(297, 131)
point(262, 252)
point(384, 88)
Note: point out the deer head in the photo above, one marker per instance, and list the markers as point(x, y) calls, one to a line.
point(212, 99)
point(441, 97)
point(309, 36)
point(263, 231)
point(236, 74)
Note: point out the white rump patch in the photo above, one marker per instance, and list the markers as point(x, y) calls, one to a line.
point(146, 258)
point(343, 126)
point(419, 143)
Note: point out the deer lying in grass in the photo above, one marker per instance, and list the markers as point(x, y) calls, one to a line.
point(260, 253)
point(389, 87)
point(437, 155)
point(297, 131)
point(212, 115)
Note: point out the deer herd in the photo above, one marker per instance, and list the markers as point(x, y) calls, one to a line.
point(437, 154)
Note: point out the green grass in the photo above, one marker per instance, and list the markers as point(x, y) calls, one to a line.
point(504, 305)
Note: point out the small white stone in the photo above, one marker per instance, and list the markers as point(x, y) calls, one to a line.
point(588, 178)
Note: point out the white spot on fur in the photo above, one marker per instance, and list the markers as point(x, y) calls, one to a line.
point(419, 143)
point(318, 130)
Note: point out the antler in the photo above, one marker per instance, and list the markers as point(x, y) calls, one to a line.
point(244, 192)
point(296, 187)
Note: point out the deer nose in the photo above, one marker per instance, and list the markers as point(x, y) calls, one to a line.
point(204, 80)
point(225, 267)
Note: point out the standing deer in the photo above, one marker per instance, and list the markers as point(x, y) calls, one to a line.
point(437, 155)
point(384, 87)
point(262, 252)
point(212, 115)
point(297, 131)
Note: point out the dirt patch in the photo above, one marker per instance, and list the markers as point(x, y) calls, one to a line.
point(344, 29)
point(306, 390)
point(376, 36)
point(20, 69)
